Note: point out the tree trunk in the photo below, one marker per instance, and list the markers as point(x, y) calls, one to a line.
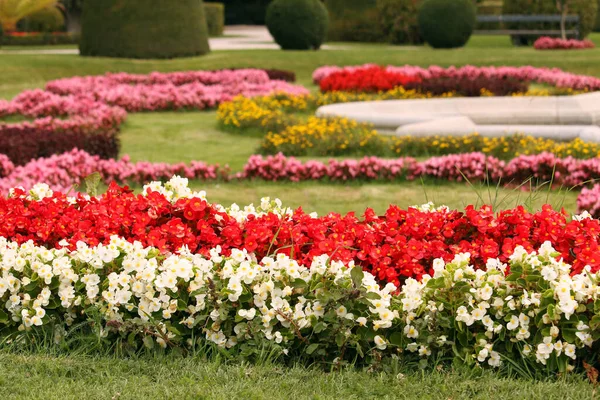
point(563, 8)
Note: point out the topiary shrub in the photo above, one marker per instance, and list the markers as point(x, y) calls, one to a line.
point(143, 28)
point(398, 20)
point(215, 18)
point(297, 24)
point(354, 21)
point(586, 9)
point(446, 24)
point(49, 19)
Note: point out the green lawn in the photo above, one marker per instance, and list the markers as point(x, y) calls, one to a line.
point(76, 377)
point(19, 71)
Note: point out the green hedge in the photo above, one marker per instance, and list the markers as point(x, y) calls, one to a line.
point(246, 12)
point(447, 24)
point(50, 19)
point(586, 9)
point(354, 21)
point(215, 18)
point(597, 26)
point(41, 39)
point(297, 24)
point(399, 20)
point(143, 28)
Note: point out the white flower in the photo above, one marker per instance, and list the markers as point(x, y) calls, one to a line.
point(380, 342)
point(513, 323)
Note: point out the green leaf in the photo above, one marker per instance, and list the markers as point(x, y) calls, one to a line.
point(396, 339)
point(148, 342)
point(92, 181)
point(311, 349)
point(372, 296)
point(357, 275)
point(320, 327)
point(3, 317)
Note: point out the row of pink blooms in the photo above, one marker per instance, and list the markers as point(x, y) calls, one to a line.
point(550, 76)
point(60, 112)
point(549, 43)
point(61, 172)
point(191, 90)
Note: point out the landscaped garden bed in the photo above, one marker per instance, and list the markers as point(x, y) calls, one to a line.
point(428, 284)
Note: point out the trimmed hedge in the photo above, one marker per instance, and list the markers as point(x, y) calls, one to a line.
point(446, 24)
point(597, 26)
point(586, 9)
point(297, 24)
point(399, 20)
point(215, 18)
point(354, 21)
point(50, 19)
point(143, 28)
point(245, 12)
point(40, 39)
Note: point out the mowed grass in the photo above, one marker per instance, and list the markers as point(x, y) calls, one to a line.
point(19, 71)
point(38, 376)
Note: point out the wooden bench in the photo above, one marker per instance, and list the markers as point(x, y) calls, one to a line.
point(572, 20)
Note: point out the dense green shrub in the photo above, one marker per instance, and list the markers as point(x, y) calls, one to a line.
point(245, 12)
point(447, 23)
point(597, 26)
point(354, 21)
point(399, 20)
point(586, 9)
point(41, 39)
point(143, 28)
point(297, 24)
point(215, 18)
point(49, 19)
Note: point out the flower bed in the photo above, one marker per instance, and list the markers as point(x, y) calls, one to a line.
point(394, 246)
point(63, 171)
point(292, 134)
point(376, 79)
point(59, 123)
point(192, 90)
point(236, 302)
point(289, 281)
point(553, 77)
point(548, 43)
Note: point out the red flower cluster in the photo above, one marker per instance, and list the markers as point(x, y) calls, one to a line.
point(375, 79)
point(394, 246)
point(371, 79)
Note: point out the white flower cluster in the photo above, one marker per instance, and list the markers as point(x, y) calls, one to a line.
point(533, 308)
point(155, 292)
point(177, 188)
point(536, 306)
point(430, 207)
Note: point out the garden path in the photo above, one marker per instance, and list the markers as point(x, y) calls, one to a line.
point(237, 37)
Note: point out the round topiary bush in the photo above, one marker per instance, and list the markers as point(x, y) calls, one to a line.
point(447, 24)
point(143, 28)
point(297, 24)
point(49, 19)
